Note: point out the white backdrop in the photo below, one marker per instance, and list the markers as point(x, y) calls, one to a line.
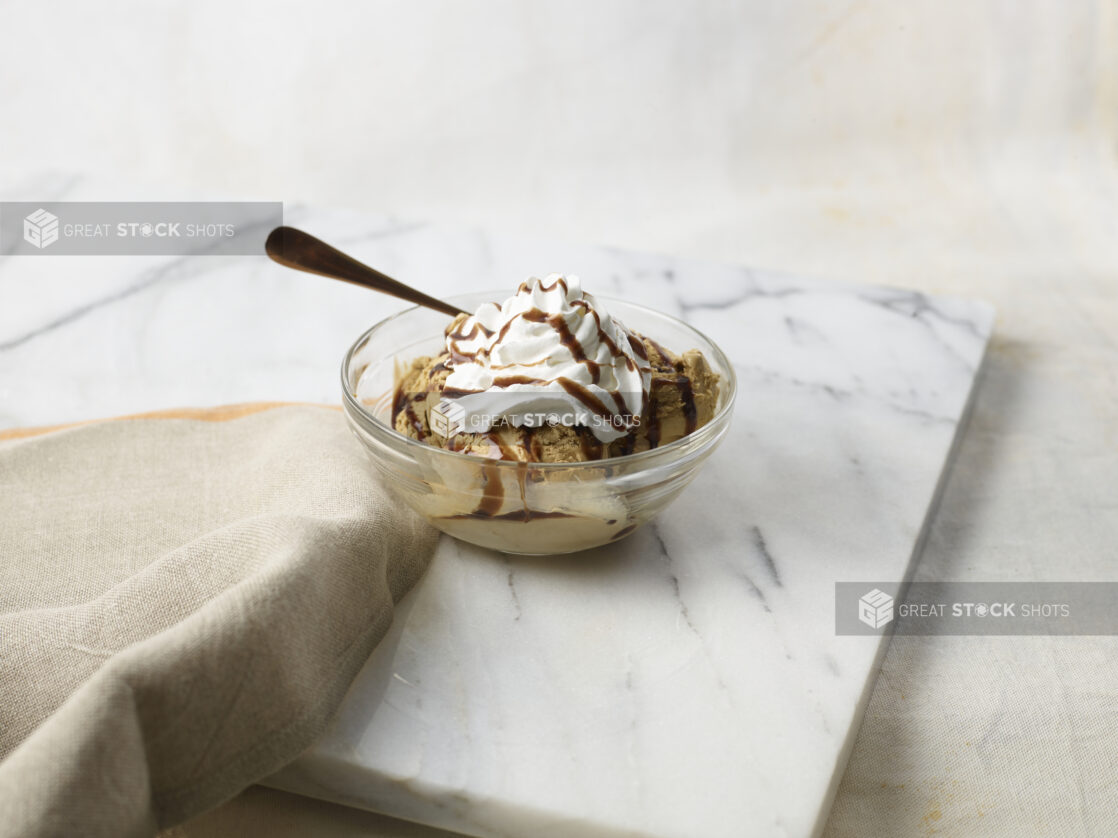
point(697, 126)
point(965, 147)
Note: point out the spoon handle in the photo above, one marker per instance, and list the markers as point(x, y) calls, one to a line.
point(293, 248)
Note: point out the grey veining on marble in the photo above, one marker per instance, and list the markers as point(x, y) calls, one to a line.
point(686, 681)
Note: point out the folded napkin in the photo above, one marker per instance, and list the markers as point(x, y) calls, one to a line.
point(184, 599)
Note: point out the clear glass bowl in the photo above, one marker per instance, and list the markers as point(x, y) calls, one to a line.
point(541, 508)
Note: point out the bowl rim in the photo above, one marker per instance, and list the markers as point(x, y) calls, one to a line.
point(701, 437)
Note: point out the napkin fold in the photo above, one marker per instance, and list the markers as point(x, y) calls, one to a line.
point(184, 599)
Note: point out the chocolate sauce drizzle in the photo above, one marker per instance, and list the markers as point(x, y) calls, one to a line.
point(652, 421)
point(585, 396)
point(567, 338)
point(687, 396)
point(493, 498)
point(455, 392)
point(626, 444)
point(453, 338)
point(492, 493)
point(398, 400)
point(606, 339)
point(664, 354)
point(559, 281)
point(637, 346)
point(470, 335)
point(521, 515)
point(403, 402)
point(591, 447)
point(510, 380)
point(507, 451)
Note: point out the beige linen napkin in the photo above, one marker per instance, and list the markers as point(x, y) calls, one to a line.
point(184, 599)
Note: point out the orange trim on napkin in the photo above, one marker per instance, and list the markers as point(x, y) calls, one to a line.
point(224, 413)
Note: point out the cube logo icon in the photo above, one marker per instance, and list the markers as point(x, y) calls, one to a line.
point(875, 609)
point(447, 418)
point(40, 228)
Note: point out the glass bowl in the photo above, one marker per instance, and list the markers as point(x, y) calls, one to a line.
point(525, 508)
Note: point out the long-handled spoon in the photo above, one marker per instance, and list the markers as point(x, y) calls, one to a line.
point(293, 248)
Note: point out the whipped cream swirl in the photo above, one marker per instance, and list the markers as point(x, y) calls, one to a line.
point(549, 351)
